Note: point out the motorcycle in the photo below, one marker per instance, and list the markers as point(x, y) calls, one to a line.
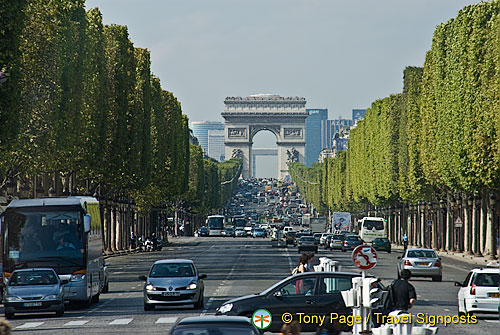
point(159, 244)
point(148, 245)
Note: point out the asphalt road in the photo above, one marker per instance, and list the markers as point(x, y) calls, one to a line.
point(235, 267)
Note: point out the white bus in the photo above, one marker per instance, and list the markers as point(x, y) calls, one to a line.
point(215, 225)
point(370, 228)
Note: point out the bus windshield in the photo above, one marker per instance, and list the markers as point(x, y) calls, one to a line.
point(215, 222)
point(370, 225)
point(240, 223)
point(33, 237)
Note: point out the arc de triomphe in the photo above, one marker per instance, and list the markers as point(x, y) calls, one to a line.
point(284, 117)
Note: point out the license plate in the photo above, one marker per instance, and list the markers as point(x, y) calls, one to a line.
point(494, 295)
point(422, 263)
point(32, 304)
point(170, 294)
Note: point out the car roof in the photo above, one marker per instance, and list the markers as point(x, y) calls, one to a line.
point(54, 201)
point(166, 261)
point(34, 269)
point(423, 249)
point(485, 270)
point(215, 319)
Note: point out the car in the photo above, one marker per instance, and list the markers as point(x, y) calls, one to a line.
point(307, 243)
point(214, 325)
point(239, 232)
point(203, 231)
point(259, 232)
point(479, 293)
point(173, 282)
point(34, 290)
point(317, 236)
point(421, 263)
point(228, 232)
point(290, 296)
point(351, 242)
point(382, 243)
point(248, 230)
point(290, 237)
point(323, 238)
point(336, 242)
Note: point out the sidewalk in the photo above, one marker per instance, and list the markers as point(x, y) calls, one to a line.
point(459, 256)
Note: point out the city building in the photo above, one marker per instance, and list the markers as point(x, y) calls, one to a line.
point(331, 127)
point(216, 146)
point(358, 114)
point(313, 134)
point(325, 153)
point(201, 128)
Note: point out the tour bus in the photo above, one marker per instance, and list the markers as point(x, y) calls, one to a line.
point(60, 233)
point(370, 228)
point(215, 225)
point(239, 222)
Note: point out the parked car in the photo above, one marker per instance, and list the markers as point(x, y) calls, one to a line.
point(382, 243)
point(351, 242)
point(214, 325)
point(307, 243)
point(203, 231)
point(173, 282)
point(479, 293)
point(422, 263)
point(316, 293)
point(34, 290)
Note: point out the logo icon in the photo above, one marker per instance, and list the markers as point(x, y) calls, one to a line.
point(262, 319)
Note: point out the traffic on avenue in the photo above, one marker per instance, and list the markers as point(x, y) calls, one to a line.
point(265, 261)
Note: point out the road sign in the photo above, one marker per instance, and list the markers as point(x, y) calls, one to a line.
point(364, 257)
point(458, 223)
point(429, 222)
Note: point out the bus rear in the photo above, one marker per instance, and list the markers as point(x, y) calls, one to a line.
point(371, 228)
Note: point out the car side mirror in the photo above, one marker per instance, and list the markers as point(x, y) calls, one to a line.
point(399, 257)
point(86, 222)
point(458, 284)
point(106, 264)
point(143, 277)
point(277, 294)
point(202, 276)
point(64, 281)
point(439, 258)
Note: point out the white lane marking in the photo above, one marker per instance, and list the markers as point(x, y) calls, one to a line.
point(166, 320)
point(493, 321)
point(76, 323)
point(426, 299)
point(121, 322)
point(446, 309)
point(289, 260)
point(207, 307)
point(30, 325)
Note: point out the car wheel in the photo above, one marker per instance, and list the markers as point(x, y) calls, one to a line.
point(95, 298)
point(149, 307)
point(199, 304)
point(437, 278)
point(105, 288)
point(388, 251)
point(60, 312)
point(9, 315)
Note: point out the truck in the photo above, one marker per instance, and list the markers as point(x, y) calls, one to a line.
point(316, 224)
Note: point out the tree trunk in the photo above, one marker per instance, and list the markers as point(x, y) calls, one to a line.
point(482, 225)
point(491, 244)
point(449, 228)
point(113, 227)
point(467, 228)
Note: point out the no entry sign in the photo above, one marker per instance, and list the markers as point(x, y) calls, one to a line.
point(364, 257)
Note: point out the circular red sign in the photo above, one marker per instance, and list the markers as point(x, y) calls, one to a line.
point(364, 257)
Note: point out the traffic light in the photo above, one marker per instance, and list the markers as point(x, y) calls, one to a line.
point(371, 293)
point(349, 297)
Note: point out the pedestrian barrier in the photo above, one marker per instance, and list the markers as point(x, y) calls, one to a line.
point(328, 265)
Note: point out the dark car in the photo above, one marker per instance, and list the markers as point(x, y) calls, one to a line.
point(34, 290)
point(307, 243)
point(290, 237)
point(336, 242)
point(382, 243)
point(351, 242)
point(214, 325)
point(203, 231)
point(312, 293)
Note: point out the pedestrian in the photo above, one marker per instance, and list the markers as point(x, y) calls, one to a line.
point(290, 328)
point(301, 267)
point(310, 260)
point(132, 240)
point(404, 294)
point(405, 241)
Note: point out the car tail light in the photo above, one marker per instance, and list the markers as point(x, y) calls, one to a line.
point(438, 263)
point(345, 243)
point(473, 289)
point(407, 262)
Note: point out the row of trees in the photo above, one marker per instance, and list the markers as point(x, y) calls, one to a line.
point(435, 146)
point(81, 113)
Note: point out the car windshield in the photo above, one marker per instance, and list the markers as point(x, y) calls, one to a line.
point(213, 330)
point(487, 279)
point(172, 270)
point(37, 277)
point(421, 254)
point(337, 237)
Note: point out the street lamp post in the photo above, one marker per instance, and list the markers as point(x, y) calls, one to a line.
point(476, 226)
point(469, 234)
point(442, 219)
point(491, 227)
point(459, 230)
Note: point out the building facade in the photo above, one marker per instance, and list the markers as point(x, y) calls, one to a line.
point(358, 114)
point(313, 134)
point(200, 130)
point(216, 146)
point(332, 127)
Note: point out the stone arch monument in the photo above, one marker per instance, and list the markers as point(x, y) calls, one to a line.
point(284, 117)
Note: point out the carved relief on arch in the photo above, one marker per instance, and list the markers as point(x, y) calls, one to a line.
point(275, 129)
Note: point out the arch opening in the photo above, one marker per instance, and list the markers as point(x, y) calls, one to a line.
point(265, 154)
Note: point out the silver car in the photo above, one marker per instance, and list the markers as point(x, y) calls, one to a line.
point(34, 290)
point(421, 263)
point(173, 282)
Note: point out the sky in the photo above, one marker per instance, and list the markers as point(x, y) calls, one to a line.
point(338, 54)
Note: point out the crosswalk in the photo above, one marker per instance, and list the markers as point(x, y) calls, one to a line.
point(94, 323)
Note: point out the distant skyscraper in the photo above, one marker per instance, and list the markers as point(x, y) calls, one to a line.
point(200, 130)
point(216, 146)
point(331, 127)
point(358, 114)
point(313, 134)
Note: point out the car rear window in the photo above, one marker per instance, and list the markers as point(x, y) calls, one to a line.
point(487, 279)
point(421, 254)
point(353, 238)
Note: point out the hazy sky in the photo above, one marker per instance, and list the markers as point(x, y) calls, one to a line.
point(339, 55)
